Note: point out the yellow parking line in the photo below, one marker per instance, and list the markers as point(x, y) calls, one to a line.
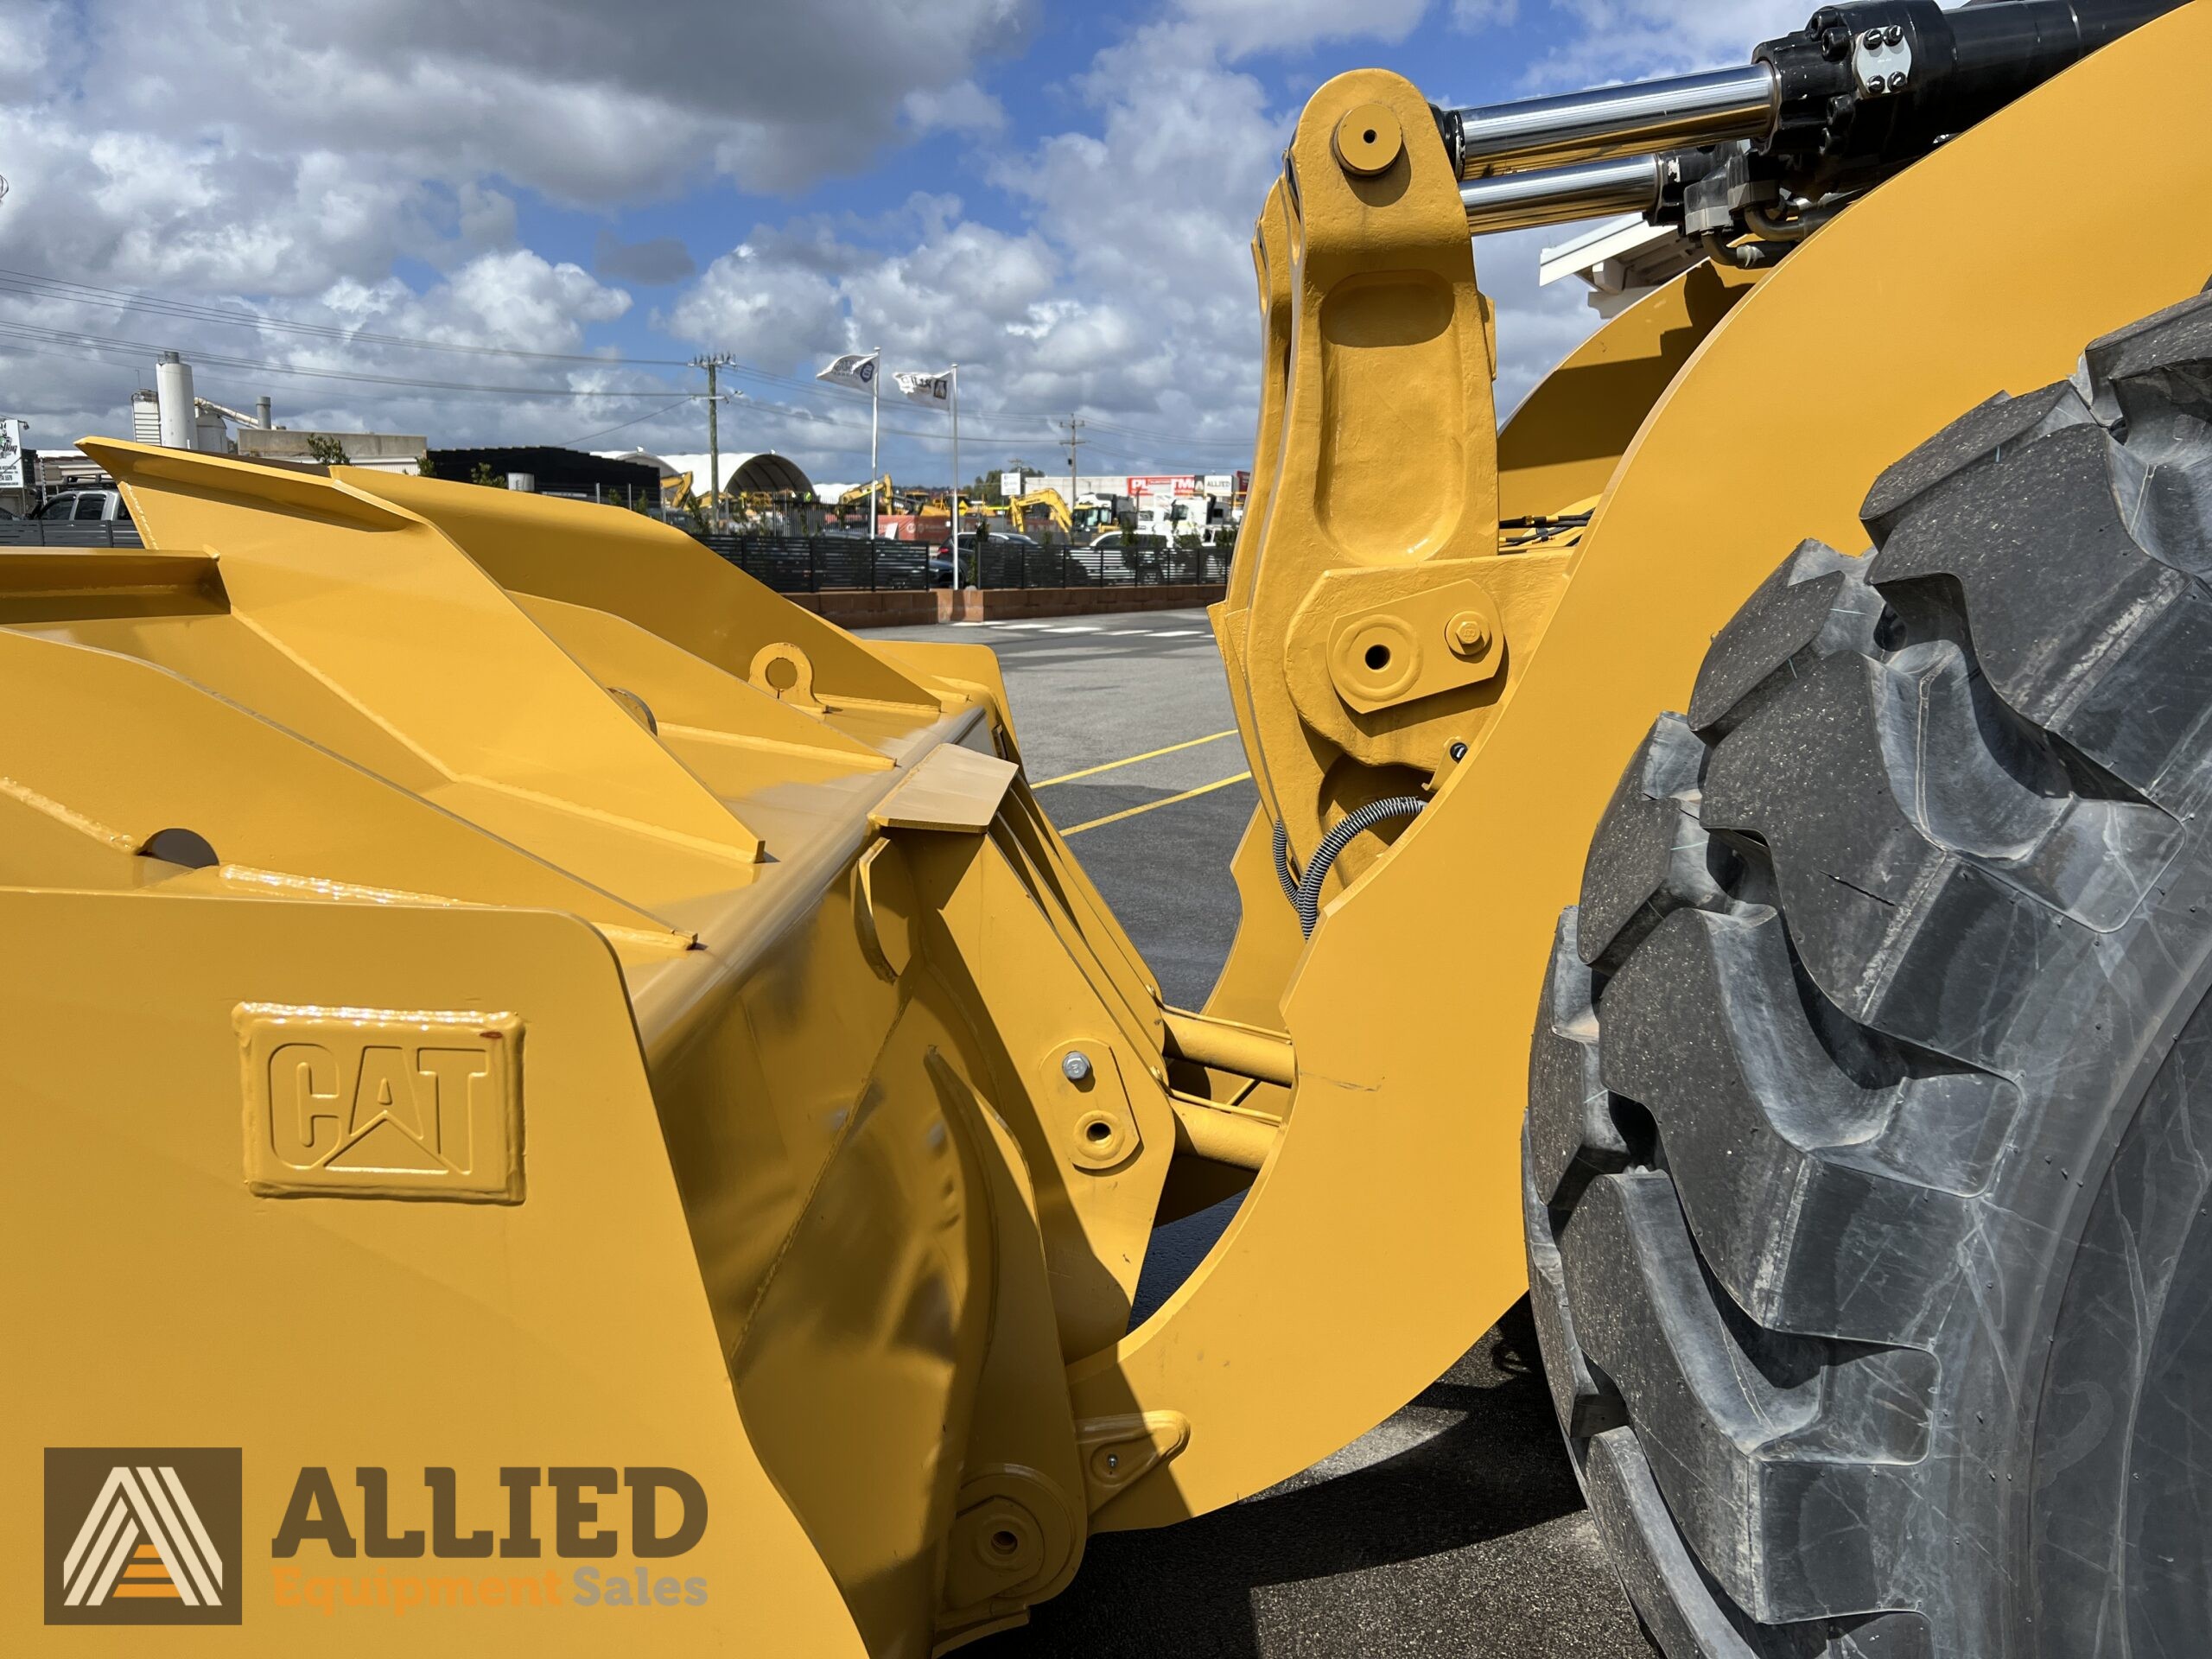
point(1114, 765)
point(1187, 795)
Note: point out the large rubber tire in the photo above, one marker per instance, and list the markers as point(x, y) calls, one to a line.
point(1868, 1150)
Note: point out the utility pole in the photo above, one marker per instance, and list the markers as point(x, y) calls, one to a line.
point(874, 425)
point(716, 361)
point(953, 374)
point(1073, 426)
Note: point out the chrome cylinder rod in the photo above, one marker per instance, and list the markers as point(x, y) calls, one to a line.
point(1514, 201)
point(1678, 114)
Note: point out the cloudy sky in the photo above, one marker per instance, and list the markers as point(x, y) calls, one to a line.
point(513, 220)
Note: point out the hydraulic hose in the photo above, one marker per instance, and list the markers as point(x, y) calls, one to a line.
point(1284, 874)
point(1308, 897)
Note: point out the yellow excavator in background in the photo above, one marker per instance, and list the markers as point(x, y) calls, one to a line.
point(561, 1103)
point(1054, 505)
point(938, 505)
point(882, 488)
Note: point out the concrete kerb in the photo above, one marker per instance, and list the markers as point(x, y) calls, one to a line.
point(862, 608)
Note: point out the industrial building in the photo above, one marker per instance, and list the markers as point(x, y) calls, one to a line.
point(762, 474)
point(551, 471)
point(1225, 490)
point(174, 415)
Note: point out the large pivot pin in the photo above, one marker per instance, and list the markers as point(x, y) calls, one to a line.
point(1368, 139)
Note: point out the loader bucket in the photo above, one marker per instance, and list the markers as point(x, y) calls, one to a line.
point(594, 1054)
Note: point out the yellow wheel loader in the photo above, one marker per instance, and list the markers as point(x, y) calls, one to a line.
point(559, 1103)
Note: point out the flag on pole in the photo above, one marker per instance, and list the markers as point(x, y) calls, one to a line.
point(933, 388)
point(854, 369)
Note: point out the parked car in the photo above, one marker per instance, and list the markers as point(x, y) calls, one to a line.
point(995, 542)
point(82, 507)
point(1117, 539)
point(1119, 555)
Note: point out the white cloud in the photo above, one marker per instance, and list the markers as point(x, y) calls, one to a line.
point(295, 158)
point(222, 148)
point(294, 155)
point(40, 52)
point(1128, 296)
point(511, 298)
point(1625, 40)
point(1243, 27)
point(1536, 327)
point(762, 304)
point(962, 107)
point(517, 299)
point(583, 101)
point(1129, 300)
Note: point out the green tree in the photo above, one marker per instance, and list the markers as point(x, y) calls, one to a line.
point(482, 472)
point(326, 449)
point(1185, 562)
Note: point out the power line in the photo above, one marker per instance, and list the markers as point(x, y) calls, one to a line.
point(670, 397)
point(30, 285)
point(23, 282)
point(1007, 427)
point(591, 437)
point(108, 343)
point(817, 429)
point(1025, 423)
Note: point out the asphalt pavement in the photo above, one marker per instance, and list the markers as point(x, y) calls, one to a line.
point(1456, 1527)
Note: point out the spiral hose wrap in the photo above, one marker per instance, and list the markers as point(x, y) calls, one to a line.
point(1306, 895)
point(1284, 871)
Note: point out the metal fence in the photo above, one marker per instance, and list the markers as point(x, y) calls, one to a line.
point(1147, 565)
point(803, 564)
point(66, 532)
point(798, 565)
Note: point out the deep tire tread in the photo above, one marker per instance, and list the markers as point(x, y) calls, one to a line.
point(1771, 1082)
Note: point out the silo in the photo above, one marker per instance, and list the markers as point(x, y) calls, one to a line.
point(180, 419)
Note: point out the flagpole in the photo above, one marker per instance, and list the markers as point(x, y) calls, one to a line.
point(875, 422)
point(955, 477)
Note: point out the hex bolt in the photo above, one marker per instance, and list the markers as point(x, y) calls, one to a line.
point(1895, 35)
point(1470, 633)
point(1896, 83)
point(1871, 40)
point(1076, 1066)
point(1458, 752)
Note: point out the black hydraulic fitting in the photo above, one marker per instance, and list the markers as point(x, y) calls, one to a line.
point(1867, 87)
